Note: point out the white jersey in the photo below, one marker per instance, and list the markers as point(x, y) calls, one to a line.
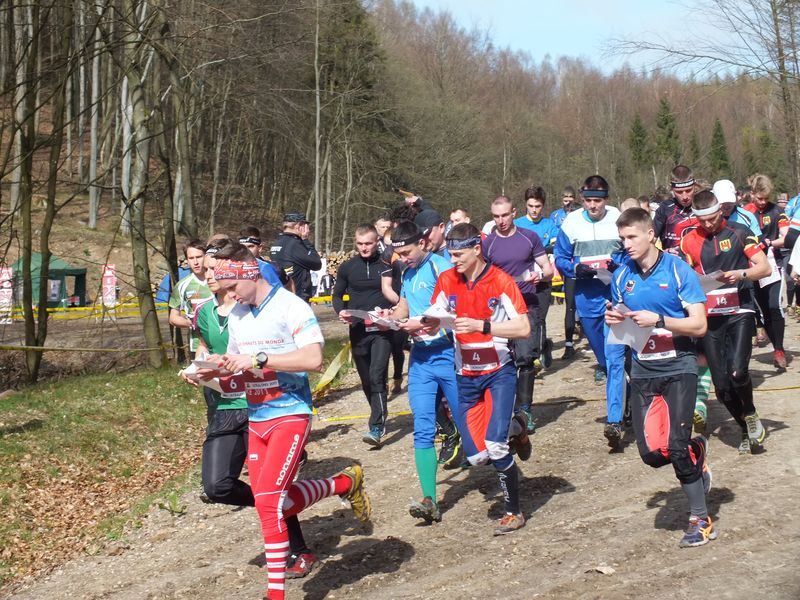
point(281, 324)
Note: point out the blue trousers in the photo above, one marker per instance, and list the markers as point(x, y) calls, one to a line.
point(431, 375)
point(611, 358)
point(485, 406)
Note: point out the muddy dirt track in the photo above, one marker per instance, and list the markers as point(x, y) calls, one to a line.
point(599, 525)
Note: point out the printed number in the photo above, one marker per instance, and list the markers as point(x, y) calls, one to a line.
point(475, 357)
point(232, 384)
point(722, 300)
point(651, 344)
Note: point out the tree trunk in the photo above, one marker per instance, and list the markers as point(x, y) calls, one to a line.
point(94, 189)
point(317, 129)
point(789, 112)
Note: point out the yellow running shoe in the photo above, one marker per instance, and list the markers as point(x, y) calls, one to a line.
point(359, 501)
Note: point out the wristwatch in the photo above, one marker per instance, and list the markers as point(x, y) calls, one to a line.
point(660, 323)
point(744, 275)
point(487, 327)
point(262, 359)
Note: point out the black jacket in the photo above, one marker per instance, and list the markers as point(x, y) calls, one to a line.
point(361, 279)
point(297, 257)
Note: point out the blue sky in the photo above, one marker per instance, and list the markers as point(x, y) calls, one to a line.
point(577, 28)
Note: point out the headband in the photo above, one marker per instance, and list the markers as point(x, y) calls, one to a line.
point(595, 193)
point(250, 240)
point(412, 239)
point(470, 242)
point(681, 185)
point(704, 212)
point(212, 251)
point(231, 269)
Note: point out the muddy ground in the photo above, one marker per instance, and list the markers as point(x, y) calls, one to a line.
point(600, 525)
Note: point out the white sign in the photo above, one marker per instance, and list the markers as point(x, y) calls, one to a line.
point(6, 295)
point(109, 285)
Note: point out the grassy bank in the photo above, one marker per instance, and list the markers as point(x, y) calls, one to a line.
point(82, 457)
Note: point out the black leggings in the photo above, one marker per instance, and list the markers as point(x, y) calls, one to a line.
point(544, 292)
point(371, 351)
point(728, 346)
point(224, 453)
point(662, 409)
point(769, 301)
point(569, 305)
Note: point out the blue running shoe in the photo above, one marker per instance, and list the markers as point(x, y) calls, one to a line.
point(699, 532)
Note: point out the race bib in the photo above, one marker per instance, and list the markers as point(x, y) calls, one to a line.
point(659, 345)
point(257, 386)
point(595, 262)
point(481, 358)
point(724, 301)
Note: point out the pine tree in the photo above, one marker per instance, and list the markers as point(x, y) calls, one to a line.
point(696, 158)
point(668, 143)
point(639, 144)
point(718, 159)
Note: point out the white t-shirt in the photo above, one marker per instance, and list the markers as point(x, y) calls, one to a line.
point(281, 324)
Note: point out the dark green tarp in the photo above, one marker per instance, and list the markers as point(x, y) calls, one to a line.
point(58, 292)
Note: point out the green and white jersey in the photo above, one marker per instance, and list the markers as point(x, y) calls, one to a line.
point(186, 297)
point(214, 331)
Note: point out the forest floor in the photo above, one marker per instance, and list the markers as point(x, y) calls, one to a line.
point(600, 525)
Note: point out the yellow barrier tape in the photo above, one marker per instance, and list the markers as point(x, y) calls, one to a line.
point(326, 299)
point(399, 413)
point(323, 385)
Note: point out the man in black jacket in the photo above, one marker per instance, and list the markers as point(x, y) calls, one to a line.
point(295, 254)
point(360, 277)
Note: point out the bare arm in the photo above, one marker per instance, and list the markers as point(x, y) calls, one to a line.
point(513, 329)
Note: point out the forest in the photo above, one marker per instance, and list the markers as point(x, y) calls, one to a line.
point(188, 117)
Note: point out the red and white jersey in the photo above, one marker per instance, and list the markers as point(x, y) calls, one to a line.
point(493, 296)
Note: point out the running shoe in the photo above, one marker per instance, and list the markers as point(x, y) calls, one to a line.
point(761, 338)
point(530, 424)
point(744, 445)
point(397, 386)
point(509, 524)
point(427, 510)
point(547, 353)
point(755, 430)
point(450, 454)
point(599, 376)
point(373, 437)
point(357, 497)
point(699, 532)
point(300, 565)
point(699, 422)
point(569, 353)
point(520, 442)
point(780, 360)
point(614, 433)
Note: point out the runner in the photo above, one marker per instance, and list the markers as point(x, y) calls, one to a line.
point(391, 281)
point(430, 372)
point(295, 254)
point(587, 242)
point(715, 245)
point(769, 291)
point(250, 238)
point(225, 446)
point(489, 311)
point(518, 252)
point(274, 339)
point(360, 277)
point(568, 283)
point(679, 208)
point(663, 293)
point(190, 292)
point(546, 229)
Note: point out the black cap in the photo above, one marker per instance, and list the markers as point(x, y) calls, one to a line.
point(295, 217)
point(427, 220)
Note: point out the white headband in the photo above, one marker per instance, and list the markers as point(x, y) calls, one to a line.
point(704, 212)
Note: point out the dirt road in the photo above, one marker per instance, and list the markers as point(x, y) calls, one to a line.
point(599, 525)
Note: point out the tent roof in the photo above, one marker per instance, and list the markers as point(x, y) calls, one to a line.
point(57, 266)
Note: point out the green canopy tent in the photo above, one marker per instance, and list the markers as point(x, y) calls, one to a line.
point(58, 291)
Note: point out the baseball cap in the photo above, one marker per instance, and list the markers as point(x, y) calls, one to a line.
point(427, 220)
point(295, 217)
point(724, 191)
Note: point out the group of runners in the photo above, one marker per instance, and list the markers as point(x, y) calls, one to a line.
point(692, 273)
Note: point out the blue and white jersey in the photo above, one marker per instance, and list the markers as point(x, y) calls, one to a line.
point(746, 218)
point(282, 323)
point(666, 289)
point(418, 285)
point(594, 243)
point(558, 216)
point(545, 228)
point(268, 272)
